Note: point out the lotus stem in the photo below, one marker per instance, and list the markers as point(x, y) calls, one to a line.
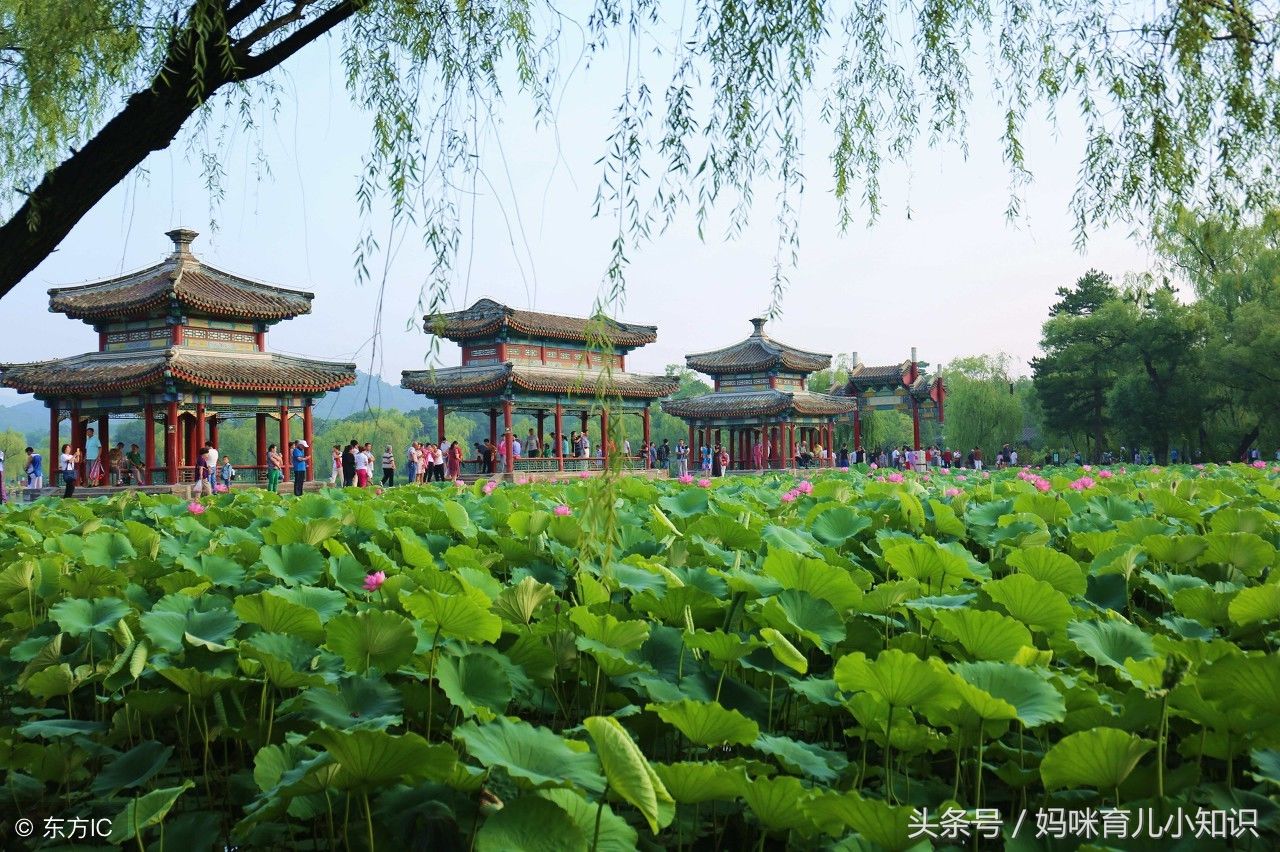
point(595, 837)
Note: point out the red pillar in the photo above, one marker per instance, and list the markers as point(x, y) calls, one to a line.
point(309, 437)
point(148, 442)
point(506, 434)
point(791, 444)
point(857, 429)
point(692, 442)
point(584, 422)
point(644, 420)
point(213, 429)
point(440, 422)
point(559, 436)
point(261, 429)
point(284, 430)
point(200, 433)
point(52, 464)
point(915, 424)
point(104, 435)
point(188, 439)
point(493, 429)
point(542, 440)
point(171, 443)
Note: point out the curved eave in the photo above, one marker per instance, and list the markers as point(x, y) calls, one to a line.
point(458, 382)
point(769, 404)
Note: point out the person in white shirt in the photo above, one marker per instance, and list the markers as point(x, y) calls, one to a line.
point(362, 459)
point(531, 445)
point(516, 448)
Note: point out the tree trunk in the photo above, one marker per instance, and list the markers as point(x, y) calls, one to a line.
point(1097, 424)
point(1245, 443)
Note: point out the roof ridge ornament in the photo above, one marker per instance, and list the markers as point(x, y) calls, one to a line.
point(182, 240)
point(757, 323)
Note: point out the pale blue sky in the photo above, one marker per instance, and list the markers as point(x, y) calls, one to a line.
point(953, 279)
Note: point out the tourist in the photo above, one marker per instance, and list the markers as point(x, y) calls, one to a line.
point(531, 444)
point(682, 458)
point(226, 474)
point(1013, 457)
point(977, 458)
point(201, 480)
point(388, 467)
point(664, 454)
point(717, 463)
point(517, 449)
point(213, 465)
point(364, 462)
point(299, 456)
point(275, 466)
point(115, 465)
point(842, 458)
point(564, 445)
point(349, 463)
point(704, 456)
point(135, 466)
point(35, 469)
point(453, 461)
point(586, 445)
point(68, 462)
point(438, 461)
point(93, 453)
point(488, 457)
point(502, 453)
point(651, 454)
point(895, 456)
point(335, 465)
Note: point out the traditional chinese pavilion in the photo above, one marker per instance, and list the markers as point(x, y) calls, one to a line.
point(541, 364)
point(760, 395)
point(895, 387)
point(182, 344)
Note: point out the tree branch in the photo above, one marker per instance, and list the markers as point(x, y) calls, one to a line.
point(271, 57)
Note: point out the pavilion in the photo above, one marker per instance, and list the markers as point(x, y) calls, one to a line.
point(900, 387)
point(543, 364)
point(760, 394)
point(181, 344)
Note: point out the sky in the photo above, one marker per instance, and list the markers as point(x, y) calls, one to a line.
point(941, 270)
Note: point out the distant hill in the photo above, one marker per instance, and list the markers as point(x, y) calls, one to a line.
point(32, 418)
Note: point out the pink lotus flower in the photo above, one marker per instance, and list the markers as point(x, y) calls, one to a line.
point(563, 510)
point(1105, 474)
point(953, 492)
point(986, 474)
point(1044, 485)
point(805, 487)
point(1259, 464)
point(686, 478)
point(704, 483)
point(844, 470)
point(1087, 467)
point(873, 466)
point(195, 508)
point(374, 581)
point(895, 477)
point(960, 477)
point(584, 474)
point(789, 497)
point(524, 480)
point(879, 479)
point(378, 491)
point(489, 486)
point(220, 488)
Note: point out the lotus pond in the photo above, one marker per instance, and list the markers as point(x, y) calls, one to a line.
point(842, 662)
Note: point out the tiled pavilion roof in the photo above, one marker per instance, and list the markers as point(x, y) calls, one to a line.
point(200, 289)
point(757, 353)
point(757, 403)
point(453, 382)
point(98, 373)
point(863, 377)
point(487, 318)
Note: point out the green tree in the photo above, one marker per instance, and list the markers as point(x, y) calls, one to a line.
point(1079, 365)
point(1175, 97)
point(982, 409)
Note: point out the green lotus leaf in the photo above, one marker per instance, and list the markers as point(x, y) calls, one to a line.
point(788, 540)
point(200, 685)
point(473, 681)
point(107, 549)
point(783, 651)
point(629, 773)
point(1174, 549)
point(275, 614)
point(1257, 603)
point(688, 503)
point(1253, 681)
point(887, 826)
point(801, 614)
point(1110, 643)
point(615, 833)
point(945, 520)
point(52, 682)
point(144, 812)
point(134, 768)
point(1101, 758)
point(326, 603)
point(707, 722)
point(459, 520)
point(1053, 567)
point(1232, 520)
point(369, 758)
point(936, 569)
point(622, 635)
point(825, 582)
point(1206, 604)
point(1268, 762)
point(821, 764)
point(536, 755)
point(168, 624)
point(723, 647)
point(296, 564)
point(456, 616)
point(372, 639)
point(532, 824)
point(354, 702)
point(78, 617)
point(985, 634)
point(901, 679)
point(778, 803)
point(1033, 602)
point(518, 603)
point(1035, 702)
point(52, 729)
point(692, 783)
point(836, 526)
point(1246, 552)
